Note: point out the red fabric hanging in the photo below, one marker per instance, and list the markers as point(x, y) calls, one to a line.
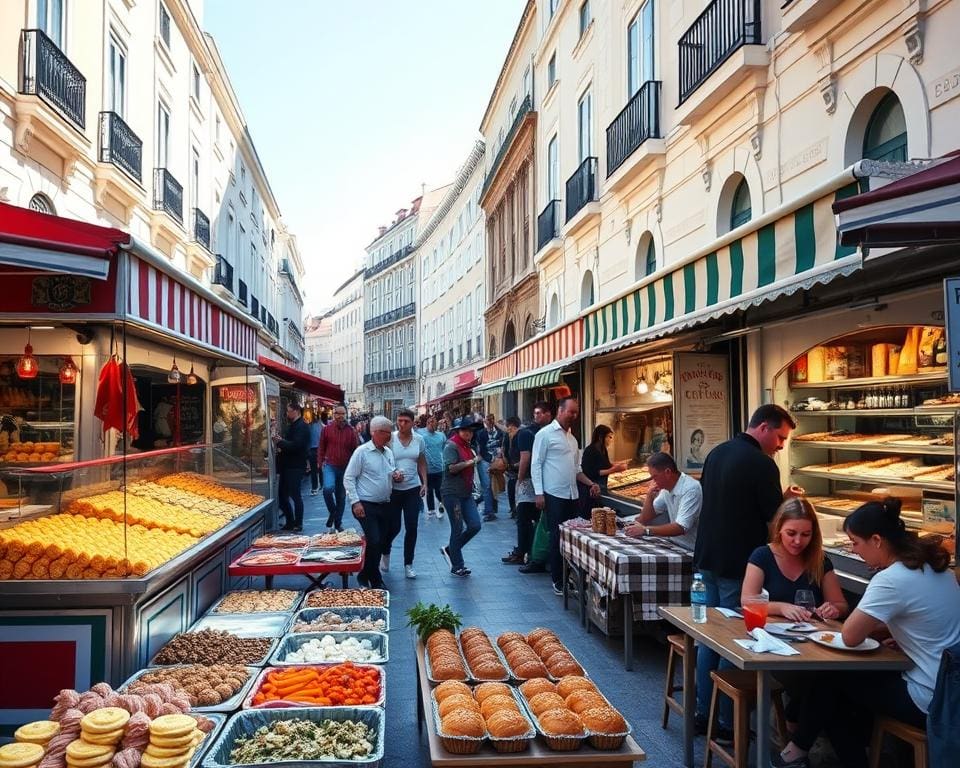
point(109, 401)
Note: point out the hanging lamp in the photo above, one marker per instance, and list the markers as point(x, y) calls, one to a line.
point(68, 371)
point(191, 377)
point(174, 376)
point(27, 365)
point(642, 386)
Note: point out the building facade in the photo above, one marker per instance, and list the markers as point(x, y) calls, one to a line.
point(346, 340)
point(450, 248)
point(122, 114)
point(319, 345)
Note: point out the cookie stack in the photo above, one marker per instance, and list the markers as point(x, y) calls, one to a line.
point(20, 755)
point(39, 732)
point(101, 732)
point(173, 740)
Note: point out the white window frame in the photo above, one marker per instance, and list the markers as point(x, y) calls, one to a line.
point(116, 99)
point(163, 11)
point(585, 125)
point(163, 135)
point(641, 48)
point(45, 21)
point(553, 168)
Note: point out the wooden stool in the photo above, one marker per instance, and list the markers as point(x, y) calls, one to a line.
point(741, 686)
point(677, 649)
point(915, 737)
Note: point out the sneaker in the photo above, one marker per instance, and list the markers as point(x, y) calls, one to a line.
point(410, 573)
point(362, 582)
point(385, 563)
point(489, 518)
point(533, 567)
point(446, 556)
point(776, 759)
point(461, 572)
point(314, 492)
point(514, 558)
point(440, 510)
point(297, 529)
point(557, 590)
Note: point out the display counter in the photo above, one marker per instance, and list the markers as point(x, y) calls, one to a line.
point(102, 562)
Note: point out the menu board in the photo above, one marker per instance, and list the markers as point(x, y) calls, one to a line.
point(702, 395)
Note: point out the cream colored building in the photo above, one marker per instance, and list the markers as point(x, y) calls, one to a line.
point(318, 342)
point(346, 353)
point(121, 113)
point(450, 250)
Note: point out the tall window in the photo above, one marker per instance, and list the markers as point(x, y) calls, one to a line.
point(740, 210)
point(586, 290)
point(163, 135)
point(553, 170)
point(585, 16)
point(650, 259)
point(640, 48)
point(195, 82)
point(194, 177)
point(51, 18)
point(552, 71)
point(41, 203)
point(164, 24)
point(553, 7)
point(231, 237)
point(117, 70)
point(584, 130)
point(886, 135)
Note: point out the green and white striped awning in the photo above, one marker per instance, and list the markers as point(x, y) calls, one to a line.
point(794, 252)
point(485, 390)
point(536, 380)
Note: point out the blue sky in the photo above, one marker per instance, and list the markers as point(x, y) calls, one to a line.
point(353, 105)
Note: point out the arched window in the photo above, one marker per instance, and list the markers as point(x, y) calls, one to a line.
point(886, 134)
point(509, 337)
point(645, 259)
point(740, 211)
point(493, 347)
point(554, 312)
point(586, 290)
point(41, 203)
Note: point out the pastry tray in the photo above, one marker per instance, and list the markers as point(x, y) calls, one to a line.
point(474, 679)
point(349, 612)
point(429, 667)
point(245, 723)
point(293, 642)
point(556, 743)
point(294, 603)
point(384, 592)
point(457, 745)
point(219, 720)
point(262, 675)
point(230, 705)
point(245, 624)
point(508, 744)
point(258, 663)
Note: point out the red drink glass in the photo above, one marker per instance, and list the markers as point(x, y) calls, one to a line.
point(755, 612)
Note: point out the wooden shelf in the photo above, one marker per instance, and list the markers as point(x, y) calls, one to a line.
point(925, 410)
point(914, 450)
point(872, 382)
point(874, 479)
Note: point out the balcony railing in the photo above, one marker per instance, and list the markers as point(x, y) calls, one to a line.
point(392, 259)
point(254, 307)
point(242, 292)
point(201, 228)
point(548, 223)
point(637, 122)
point(223, 274)
point(263, 314)
point(120, 145)
point(272, 325)
point(525, 106)
point(45, 71)
point(167, 193)
point(394, 374)
point(390, 317)
point(582, 187)
point(294, 331)
point(722, 28)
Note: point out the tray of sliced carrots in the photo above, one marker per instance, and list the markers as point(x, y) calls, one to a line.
point(319, 685)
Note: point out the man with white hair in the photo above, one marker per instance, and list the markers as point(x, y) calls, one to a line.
point(368, 480)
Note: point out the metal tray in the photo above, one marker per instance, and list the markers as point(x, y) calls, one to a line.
point(245, 624)
point(258, 663)
point(556, 743)
point(507, 676)
point(294, 603)
point(429, 667)
point(255, 687)
point(230, 705)
point(309, 614)
point(245, 723)
point(219, 720)
point(384, 592)
point(293, 642)
point(457, 745)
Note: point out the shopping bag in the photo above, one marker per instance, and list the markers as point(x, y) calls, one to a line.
point(540, 551)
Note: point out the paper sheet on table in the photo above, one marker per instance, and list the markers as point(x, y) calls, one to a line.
point(764, 642)
point(729, 613)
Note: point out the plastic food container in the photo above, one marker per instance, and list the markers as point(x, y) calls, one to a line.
point(384, 594)
point(230, 705)
point(245, 624)
point(348, 612)
point(293, 642)
point(294, 602)
point(261, 677)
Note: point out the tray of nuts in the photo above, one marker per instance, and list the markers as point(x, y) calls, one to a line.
point(257, 601)
point(210, 646)
point(216, 688)
point(335, 598)
point(345, 619)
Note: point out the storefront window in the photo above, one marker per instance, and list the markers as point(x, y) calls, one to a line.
point(37, 415)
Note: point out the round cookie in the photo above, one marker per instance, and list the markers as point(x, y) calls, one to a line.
point(149, 761)
point(110, 739)
point(172, 742)
point(38, 732)
point(172, 725)
point(104, 720)
point(20, 755)
point(91, 762)
point(78, 749)
point(154, 751)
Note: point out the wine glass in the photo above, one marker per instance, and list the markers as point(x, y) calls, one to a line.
point(805, 598)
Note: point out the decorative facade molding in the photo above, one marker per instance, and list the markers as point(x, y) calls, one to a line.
point(706, 173)
point(913, 37)
point(828, 92)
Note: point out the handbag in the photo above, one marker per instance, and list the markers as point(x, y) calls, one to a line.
point(943, 716)
point(540, 550)
point(498, 465)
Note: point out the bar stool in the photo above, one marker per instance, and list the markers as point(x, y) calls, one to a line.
point(741, 686)
point(915, 737)
point(670, 702)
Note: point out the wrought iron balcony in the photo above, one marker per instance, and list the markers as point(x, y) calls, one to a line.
point(294, 331)
point(637, 122)
point(722, 28)
point(392, 316)
point(120, 146)
point(548, 223)
point(45, 71)
point(525, 106)
point(167, 193)
point(393, 374)
point(582, 187)
point(392, 259)
point(201, 228)
point(242, 292)
point(223, 274)
point(272, 325)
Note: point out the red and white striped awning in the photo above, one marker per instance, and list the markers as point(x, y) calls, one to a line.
point(555, 348)
point(494, 375)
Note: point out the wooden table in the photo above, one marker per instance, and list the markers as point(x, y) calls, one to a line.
point(538, 754)
point(315, 571)
point(718, 633)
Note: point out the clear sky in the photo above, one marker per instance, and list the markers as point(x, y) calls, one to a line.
point(353, 105)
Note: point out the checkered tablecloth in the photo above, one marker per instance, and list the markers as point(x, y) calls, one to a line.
point(655, 570)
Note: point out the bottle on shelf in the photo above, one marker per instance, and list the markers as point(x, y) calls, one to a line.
point(940, 350)
point(861, 401)
point(698, 600)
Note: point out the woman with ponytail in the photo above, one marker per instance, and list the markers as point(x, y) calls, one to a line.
point(913, 598)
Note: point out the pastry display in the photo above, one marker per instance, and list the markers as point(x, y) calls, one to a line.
point(457, 701)
point(257, 601)
point(628, 477)
point(332, 598)
point(210, 646)
point(269, 557)
point(451, 688)
point(482, 659)
point(531, 688)
point(345, 538)
point(328, 648)
point(205, 686)
point(443, 656)
point(281, 540)
point(463, 722)
point(539, 654)
point(205, 486)
point(560, 722)
point(637, 491)
point(329, 621)
point(490, 709)
point(304, 740)
point(27, 452)
point(486, 690)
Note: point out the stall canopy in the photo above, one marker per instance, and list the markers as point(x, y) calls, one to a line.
point(921, 209)
point(39, 241)
point(312, 385)
point(464, 390)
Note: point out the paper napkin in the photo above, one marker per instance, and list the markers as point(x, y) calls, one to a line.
point(764, 642)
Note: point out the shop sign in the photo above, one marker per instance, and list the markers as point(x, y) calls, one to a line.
point(60, 293)
point(951, 303)
point(701, 385)
point(237, 394)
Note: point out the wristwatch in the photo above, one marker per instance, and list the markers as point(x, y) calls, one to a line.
point(646, 531)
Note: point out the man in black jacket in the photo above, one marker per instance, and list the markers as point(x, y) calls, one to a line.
point(291, 464)
point(741, 494)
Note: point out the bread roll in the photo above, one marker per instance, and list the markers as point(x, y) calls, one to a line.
point(527, 669)
point(563, 667)
point(506, 637)
point(568, 685)
point(463, 723)
point(455, 702)
point(506, 723)
point(485, 690)
point(582, 700)
point(544, 701)
point(449, 688)
point(560, 722)
point(603, 720)
point(537, 685)
point(489, 670)
point(495, 703)
point(537, 633)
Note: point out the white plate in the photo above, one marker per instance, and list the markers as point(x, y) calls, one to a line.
point(837, 642)
point(788, 627)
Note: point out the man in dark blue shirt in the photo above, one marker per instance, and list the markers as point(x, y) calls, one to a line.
point(527, 512)
point(488, 440)
point(292, 463)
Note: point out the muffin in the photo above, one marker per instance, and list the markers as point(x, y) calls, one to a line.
point(544, 701)
point(603, 720)
point(506, 723)
point(463, 723)
point(455, 702)
point(484, 690)
point(537, 685)
point(582, 700)
point(560, 722)
point(572, 683)
point(449, 688)
point(495, 703)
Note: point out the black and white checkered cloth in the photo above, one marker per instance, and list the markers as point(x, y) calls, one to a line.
point(654, 570)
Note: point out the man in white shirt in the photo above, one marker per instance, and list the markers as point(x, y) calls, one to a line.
point(555, 470)
point(674, 493)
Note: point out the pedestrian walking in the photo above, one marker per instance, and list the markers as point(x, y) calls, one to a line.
point(527, 513)
point(433, 442)
point(555, 468)
point(338, 441)
point(406, 501)
point(511, 459)
point(291, 464)
point(741, 493)
point(460, 462)
point(488, 441)
point(368, 480)
point(316, 427)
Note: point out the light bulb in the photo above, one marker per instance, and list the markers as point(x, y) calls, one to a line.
point(27, 365)
point(68, 371)
point(174, 376)
point(642, 387)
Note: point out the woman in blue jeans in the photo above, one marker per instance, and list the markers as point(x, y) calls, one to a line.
point(459, 463)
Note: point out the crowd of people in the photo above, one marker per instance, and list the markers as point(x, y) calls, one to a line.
point(747, 534)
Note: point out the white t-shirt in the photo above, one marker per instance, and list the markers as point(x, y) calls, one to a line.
point(682, 506)
point(921, 608)
point(406, 457)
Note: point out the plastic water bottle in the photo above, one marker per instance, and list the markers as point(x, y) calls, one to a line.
point(698, 600)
